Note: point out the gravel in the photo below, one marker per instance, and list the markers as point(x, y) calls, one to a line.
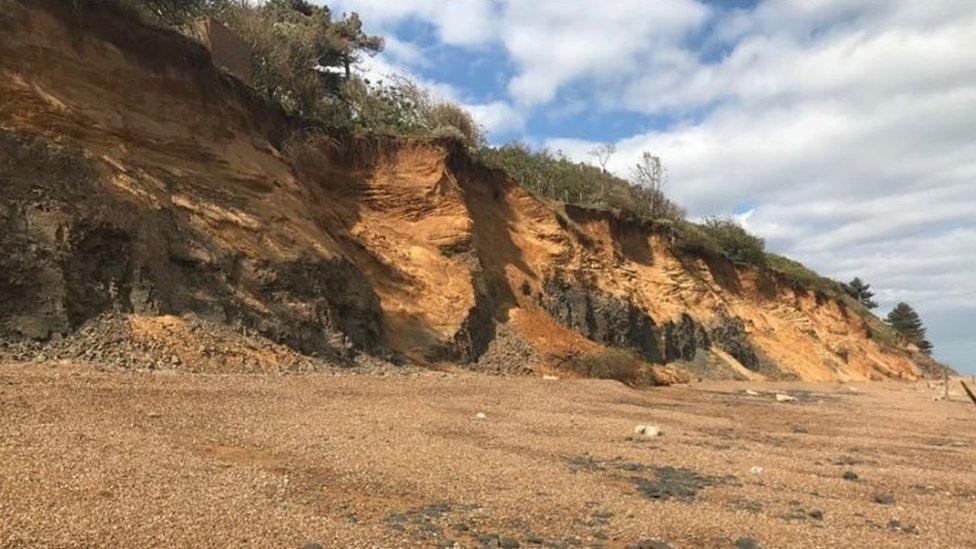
point(175, 459)
point(131, 342)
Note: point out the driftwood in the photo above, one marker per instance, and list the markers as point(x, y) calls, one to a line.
point(972, 397)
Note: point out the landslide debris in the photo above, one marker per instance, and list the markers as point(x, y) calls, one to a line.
point(183, 343)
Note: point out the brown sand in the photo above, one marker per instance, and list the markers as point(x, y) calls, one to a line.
point(174, 459)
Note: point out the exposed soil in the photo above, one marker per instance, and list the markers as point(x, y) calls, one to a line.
point(138, 181)
point(169, 458)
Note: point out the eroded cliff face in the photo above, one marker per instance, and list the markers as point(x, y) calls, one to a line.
point(137, 179)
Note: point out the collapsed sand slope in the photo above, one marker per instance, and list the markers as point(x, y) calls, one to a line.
point(138, 179)
point(135, 459)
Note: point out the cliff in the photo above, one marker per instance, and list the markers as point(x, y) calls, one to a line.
point(137, 179)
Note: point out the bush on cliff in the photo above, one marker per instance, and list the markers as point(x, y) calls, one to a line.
point(553, 175)
point(739, 244)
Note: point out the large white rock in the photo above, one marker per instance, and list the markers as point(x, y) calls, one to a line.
point(780, 397)
point(649, 430)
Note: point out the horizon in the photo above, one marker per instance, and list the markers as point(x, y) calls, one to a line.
point(841, 132)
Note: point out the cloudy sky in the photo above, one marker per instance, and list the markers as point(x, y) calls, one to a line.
point(843, 132)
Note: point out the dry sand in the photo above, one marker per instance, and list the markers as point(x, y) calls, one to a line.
point(93, 458)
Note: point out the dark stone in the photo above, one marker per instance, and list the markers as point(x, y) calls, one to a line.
point(816, 514)
point(489, 540)
point(748, 543)
point(509, 543)
point(884, 499)
point(312, 545)
point(896, 526)
point(619, 323)
point(649, 544)
point(675, 482)
point(729, 334)
point(850, 475)
point(476, 333)
point(602, 317)
point(683, 339)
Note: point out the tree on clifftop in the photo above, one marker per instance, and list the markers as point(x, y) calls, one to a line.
point(861, 291)
point(906, 321)
point(649, 177)
point(349, 42)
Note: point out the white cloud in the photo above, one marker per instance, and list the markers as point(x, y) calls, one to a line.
point(457, 22)
point(556, 43)
point(860, 65)
point(497, 117)
point(494, 117)
point(552, 44)
point(404, 52)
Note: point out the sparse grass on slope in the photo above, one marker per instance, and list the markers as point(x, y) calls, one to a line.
point(609, 363)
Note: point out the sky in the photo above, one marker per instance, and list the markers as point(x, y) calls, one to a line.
point(844, 132)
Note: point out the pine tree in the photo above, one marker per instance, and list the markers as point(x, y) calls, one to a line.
point(906, 321)
point(349, 42)
point(861, 291)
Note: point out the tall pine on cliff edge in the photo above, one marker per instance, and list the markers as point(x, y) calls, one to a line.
point(904, 319)
point(861, 291)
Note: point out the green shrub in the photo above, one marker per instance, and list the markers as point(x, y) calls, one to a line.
point(169, 12)
point(396, 108)
point(609, 363)
point(691, 237)
point(447, 116)
point(885, 335)
point(554, 176)
point(285, 45)
point(400, 106)
point(740, 245)
point(793, 270)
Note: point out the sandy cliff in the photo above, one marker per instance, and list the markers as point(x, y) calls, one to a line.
point(138, 179)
